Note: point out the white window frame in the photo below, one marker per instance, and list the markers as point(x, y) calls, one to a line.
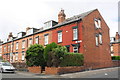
point(46, 39)
point(11, 57)
point(4, 48)
point(96, 40)
point(97, 23)
point(75, 49)
point(111, 48)
point(59, 37)
point(9, 48)
point(23, 56)
point(23, 44)
point(37, 40)
point(17, 45)
point(30, 42)
point(100, 38)
point(75, 33)
point(16, 56)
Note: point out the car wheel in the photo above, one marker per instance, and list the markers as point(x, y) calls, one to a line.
point(1, 70)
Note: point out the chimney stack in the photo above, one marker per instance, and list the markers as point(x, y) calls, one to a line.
point(61, 16)
point(10, 34)
point(117, 37)
point(27, 29)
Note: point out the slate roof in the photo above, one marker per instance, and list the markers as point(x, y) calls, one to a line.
point(67, 21)
point(75, 18)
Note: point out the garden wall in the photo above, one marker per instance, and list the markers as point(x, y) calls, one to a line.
point(116, 63)
point(20, 66)
point(61, 70)
point(35, 69)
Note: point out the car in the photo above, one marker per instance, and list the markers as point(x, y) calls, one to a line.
point(6, 67)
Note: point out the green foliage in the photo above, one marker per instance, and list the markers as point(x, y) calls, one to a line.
point(4, 61)
point(58, 54)
point(72, 59)
point(34, 55)
point(48, 49)
point(0, 57)
point(53, 54)
point(115, 57)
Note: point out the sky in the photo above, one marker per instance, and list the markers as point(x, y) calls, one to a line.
point(16, 15)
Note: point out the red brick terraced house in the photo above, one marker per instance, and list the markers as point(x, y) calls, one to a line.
point(1, 47)
point(86, 33)
point(115, 45)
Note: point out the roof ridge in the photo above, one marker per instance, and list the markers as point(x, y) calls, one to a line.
point(82, 14)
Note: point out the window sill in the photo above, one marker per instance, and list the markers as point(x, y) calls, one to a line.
point(97, 45)
point(98, 28)
point(75, 40)
point(59, 42)
point(45, 44)
point(100, 43)
point(23, 48)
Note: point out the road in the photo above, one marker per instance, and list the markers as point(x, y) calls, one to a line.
point(99, 73)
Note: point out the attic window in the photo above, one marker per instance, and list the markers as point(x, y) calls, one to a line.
point(97, 22)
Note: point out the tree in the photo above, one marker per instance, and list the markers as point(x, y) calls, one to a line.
point(35, 56)
point(48, 49)
point(54, 54)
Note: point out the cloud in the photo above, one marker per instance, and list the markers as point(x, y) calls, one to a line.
point(16, 15)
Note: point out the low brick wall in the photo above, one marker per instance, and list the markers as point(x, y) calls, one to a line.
point(116, 63)
point(34, 69)
point(20, 66)
point(61, 70)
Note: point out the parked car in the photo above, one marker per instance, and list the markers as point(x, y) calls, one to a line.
point(6, 67)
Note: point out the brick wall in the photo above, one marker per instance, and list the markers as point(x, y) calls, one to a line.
point(67, 35)
point(20, 49)
point(35, 69)
point(95, 55)
point(116, 49)
point(116, 63)
point(61, 70)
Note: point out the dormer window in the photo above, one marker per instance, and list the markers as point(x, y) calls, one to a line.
point(97, 23)
point(30, 31)
point(49, 24)
point(10, 39)
point(19, 35)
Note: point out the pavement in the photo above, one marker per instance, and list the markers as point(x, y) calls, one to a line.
point(99, 73)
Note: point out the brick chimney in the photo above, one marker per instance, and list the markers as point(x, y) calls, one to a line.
point(61, 16)
point(1, 41)
point(9, 36)
point(27, 28)
point(117, 37)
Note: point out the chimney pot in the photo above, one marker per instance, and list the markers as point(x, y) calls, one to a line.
point(61, 16)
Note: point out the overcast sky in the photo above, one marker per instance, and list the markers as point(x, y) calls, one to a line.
point(16, 15)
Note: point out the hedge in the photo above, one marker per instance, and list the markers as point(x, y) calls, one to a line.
point(72, 59)
point(115, 57)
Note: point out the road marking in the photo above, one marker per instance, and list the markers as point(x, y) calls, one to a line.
point(106, 74)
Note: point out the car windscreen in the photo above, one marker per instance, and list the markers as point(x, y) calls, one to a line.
point(6, 64)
